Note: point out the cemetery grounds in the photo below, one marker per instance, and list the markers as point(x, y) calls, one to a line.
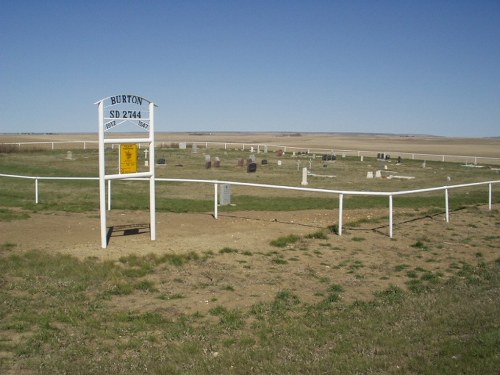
point(267, 287)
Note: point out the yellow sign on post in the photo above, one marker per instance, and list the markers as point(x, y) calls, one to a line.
point(128, 158)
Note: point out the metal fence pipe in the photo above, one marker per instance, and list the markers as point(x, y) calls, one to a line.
point(446, 205)
point(215, 201)
point(390, 216)
point(341, 204)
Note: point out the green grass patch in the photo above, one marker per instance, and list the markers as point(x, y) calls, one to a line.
point(285, 240)
point(60, 312)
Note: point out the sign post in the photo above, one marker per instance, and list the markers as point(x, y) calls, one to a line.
point(114, 111)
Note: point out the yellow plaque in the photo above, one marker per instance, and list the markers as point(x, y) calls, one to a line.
point(128, 158)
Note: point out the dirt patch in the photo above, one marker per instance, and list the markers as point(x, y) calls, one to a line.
point(238, 267)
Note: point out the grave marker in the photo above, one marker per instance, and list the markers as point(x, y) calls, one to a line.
point(304, 176)
point(224, 194)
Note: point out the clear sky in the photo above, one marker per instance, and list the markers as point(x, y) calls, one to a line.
point(419, 67)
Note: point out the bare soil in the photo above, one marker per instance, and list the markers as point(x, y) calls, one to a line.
point(363, 260)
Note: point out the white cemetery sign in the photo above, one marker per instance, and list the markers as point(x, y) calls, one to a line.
point(114, 111)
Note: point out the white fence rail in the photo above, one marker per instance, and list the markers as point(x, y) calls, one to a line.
point(260, 147)
point(340, 193)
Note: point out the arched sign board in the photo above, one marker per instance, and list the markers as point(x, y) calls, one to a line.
point(114, 111)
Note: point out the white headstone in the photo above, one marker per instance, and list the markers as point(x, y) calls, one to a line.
point(423, 164)
point(304, 176)
point(378, 174)
point(194, 148)
point(369, 175)
point(182, 145)
point(224, 194)
point(207, 158)
point(279, 162)
point(361, 157)
point(69, 155)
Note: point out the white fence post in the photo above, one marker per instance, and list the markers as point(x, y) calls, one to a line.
point(341, 204)
point(446, 206)
point(216, 214)
point(36, 190)
point(390, 216)
point(489, 196)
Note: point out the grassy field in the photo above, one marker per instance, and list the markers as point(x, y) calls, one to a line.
point(63, 315)
point(362, 303)
point(349, 174)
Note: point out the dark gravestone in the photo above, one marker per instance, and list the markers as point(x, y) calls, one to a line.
point(208, 164)
point(241, 162)
point(252, 167)
point(162, 161)
point(264, 161)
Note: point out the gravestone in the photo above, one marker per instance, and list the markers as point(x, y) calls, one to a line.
point(369, 175)
point(279, 153)
point(378, 174)
point(361, 157)
point(279, 162)
point(182, 145)
point(252, 167)
point(304, 176)
point(217, 162)
point(241, 162)
point(161, 161)
point(69, 155)
point(252, 158)
point(224, 194)
point(194, 148)
point(208, 162)
point(264, 161)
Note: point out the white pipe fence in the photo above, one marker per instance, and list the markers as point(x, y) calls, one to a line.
point(340, 193)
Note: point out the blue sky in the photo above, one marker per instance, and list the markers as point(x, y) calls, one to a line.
point(419, 67)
